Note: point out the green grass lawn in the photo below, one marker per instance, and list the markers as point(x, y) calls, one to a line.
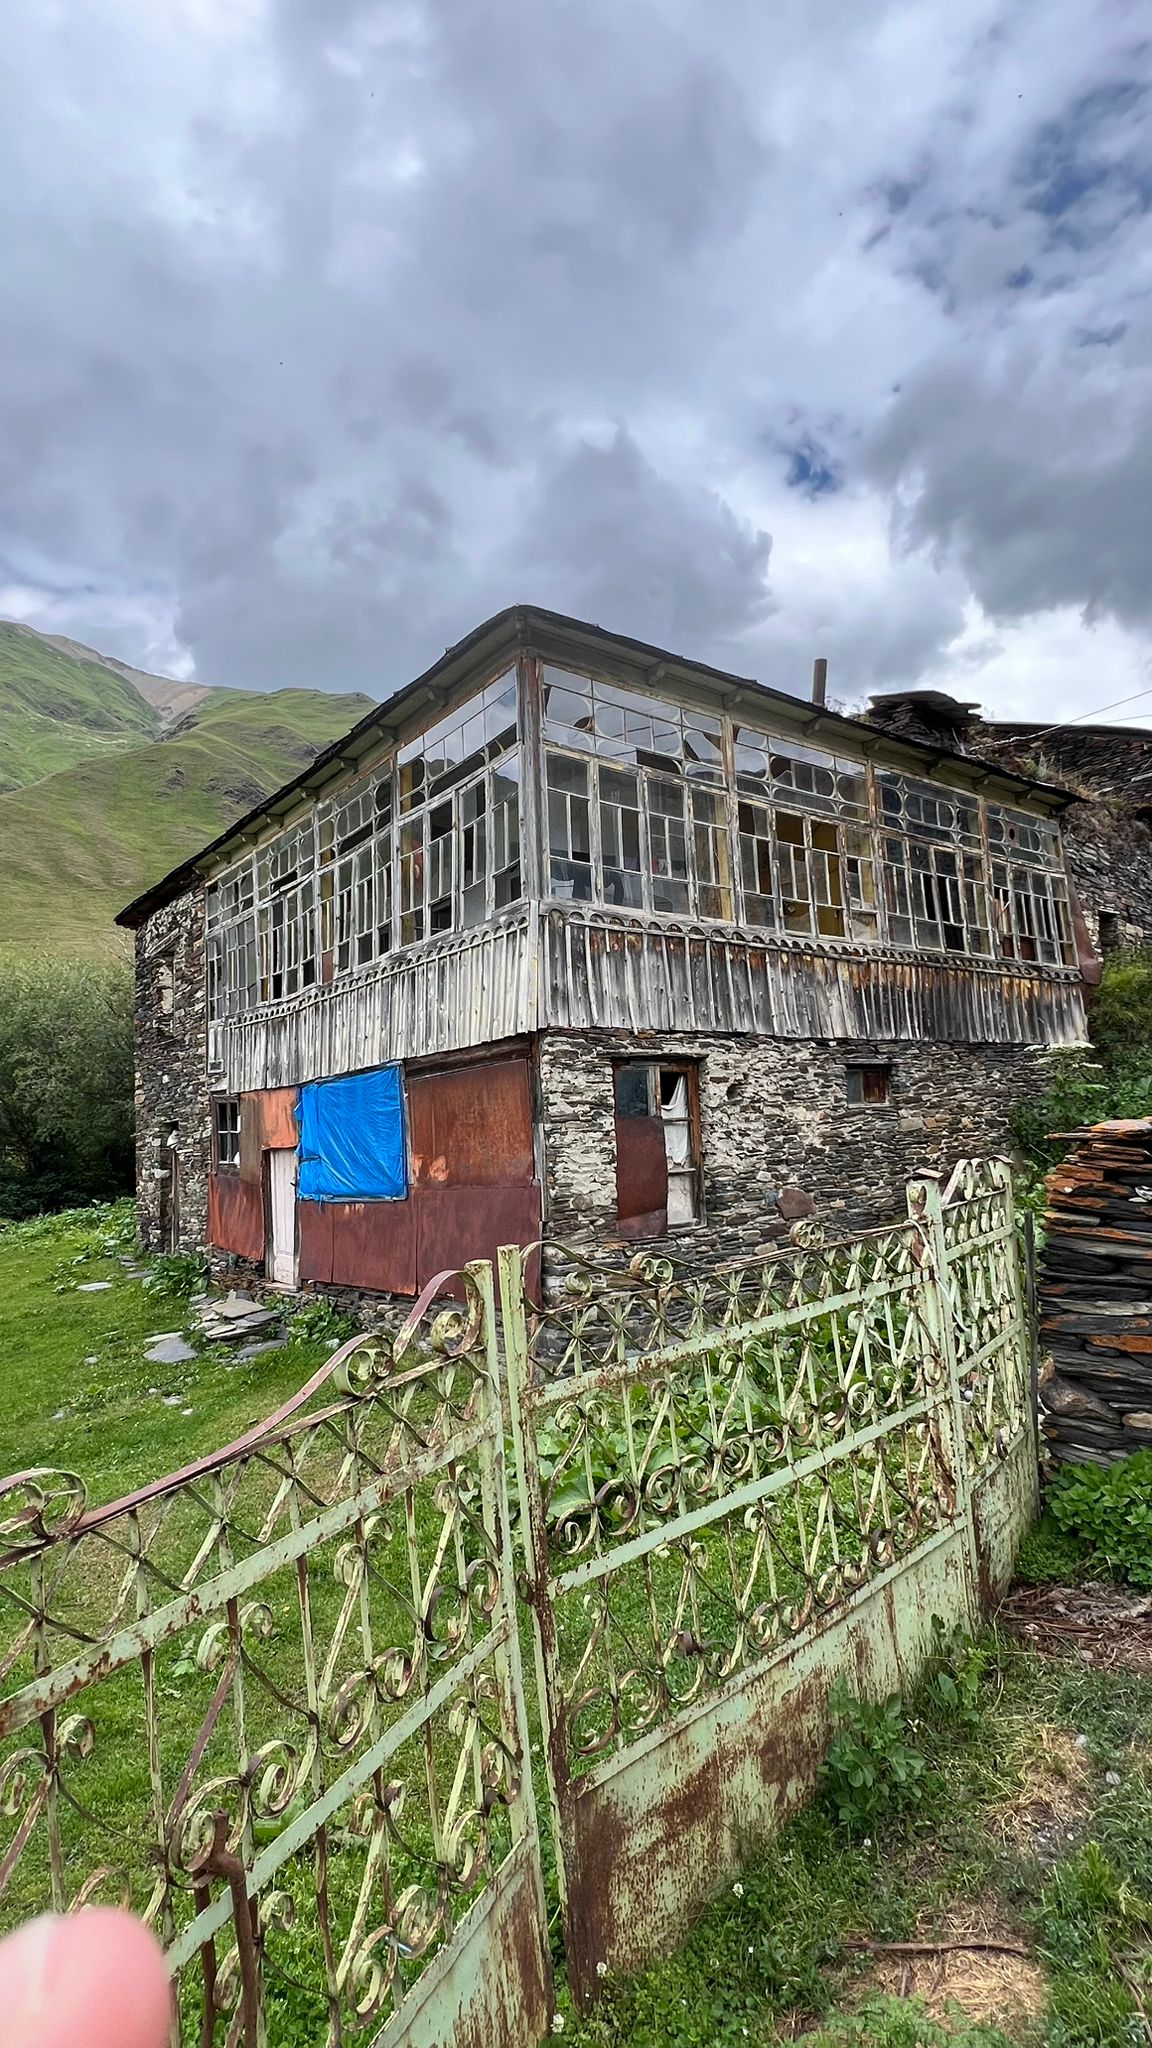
point(76, 1392)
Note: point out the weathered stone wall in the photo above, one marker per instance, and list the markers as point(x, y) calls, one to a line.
point(774, 1115)
point(171, 1078)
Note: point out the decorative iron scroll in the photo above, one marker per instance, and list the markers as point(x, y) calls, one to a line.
point(712, 1465)
point(272, 1702)
point(983, 1284)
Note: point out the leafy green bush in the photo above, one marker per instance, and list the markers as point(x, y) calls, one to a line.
point(871, 1769)
point(176, 1273)
point(1107, 1511)
point(1081, 1093)
point(1048, 1556)
point(954, 1674)
point(1121, 1017)
point(320, 1321)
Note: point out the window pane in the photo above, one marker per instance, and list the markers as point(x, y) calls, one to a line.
point(634, 1091)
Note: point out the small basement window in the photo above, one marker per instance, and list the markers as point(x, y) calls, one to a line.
point(226, 1133)
point(657, 1148)
point(869, 1085)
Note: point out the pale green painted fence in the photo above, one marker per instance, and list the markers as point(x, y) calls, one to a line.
point(275, 1701)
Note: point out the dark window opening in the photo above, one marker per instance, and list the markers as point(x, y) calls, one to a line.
point(1109, 931)
point(657, 1148)
point(869, 1086)
point(226, 1134)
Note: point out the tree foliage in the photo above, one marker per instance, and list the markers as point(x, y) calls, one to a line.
point(1121, 1017)
point(66, 1108)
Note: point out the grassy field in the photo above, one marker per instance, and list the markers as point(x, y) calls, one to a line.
point(99, 796)
point(57, 709)
point(78, 1393)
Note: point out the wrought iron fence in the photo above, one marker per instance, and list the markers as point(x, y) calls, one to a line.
point(275, 1702)
point(734, 1482)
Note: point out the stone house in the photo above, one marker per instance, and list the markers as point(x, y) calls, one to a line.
point(575, 937)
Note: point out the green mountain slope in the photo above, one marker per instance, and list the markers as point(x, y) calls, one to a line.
point(59, 706)
point(79, 844)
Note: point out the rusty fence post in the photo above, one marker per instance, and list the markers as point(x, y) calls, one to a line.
point(926, 1209)
point(534, 1582)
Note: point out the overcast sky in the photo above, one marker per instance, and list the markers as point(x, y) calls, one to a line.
point(756, 328)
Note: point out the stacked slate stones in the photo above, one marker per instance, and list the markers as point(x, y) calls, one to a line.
point(1096, 1295)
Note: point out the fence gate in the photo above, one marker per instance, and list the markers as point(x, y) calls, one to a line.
point(273, 1702)
point(735, 1488)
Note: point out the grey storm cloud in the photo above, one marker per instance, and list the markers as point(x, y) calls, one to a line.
point(329, 326)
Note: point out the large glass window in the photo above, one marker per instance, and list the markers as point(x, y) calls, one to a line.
point(651, 806)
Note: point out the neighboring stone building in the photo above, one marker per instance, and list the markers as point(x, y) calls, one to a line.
point(574, 936)
point(1107, 769)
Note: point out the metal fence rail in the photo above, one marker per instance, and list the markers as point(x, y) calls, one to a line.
point(732, 1489)
point(275, 1703)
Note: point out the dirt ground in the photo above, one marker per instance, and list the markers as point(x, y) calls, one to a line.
point(1102, 1626)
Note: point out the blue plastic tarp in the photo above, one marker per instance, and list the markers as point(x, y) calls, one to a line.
point(352, 1139)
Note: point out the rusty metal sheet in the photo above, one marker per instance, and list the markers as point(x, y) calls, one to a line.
point(360, 1244)
point(471, 1126)
point(457, 1224)
point(267, 1124)
point(494, 1983)
point(235, 1215)
point(374, 1245)
point(651, 1836)
point(641, 1177)
point(314, 1226)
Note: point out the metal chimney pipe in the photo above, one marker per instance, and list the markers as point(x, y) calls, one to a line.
point(820, 680)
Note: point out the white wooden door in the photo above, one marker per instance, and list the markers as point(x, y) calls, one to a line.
point(282, 1215)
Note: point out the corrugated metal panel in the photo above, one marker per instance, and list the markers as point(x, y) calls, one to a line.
point(641, 1177)
point(455, 1225)
point(472, 988)
point(267, 1124)
point(600, 970)
point(472, 1126)
point(374, 1245)
point(236, 1215)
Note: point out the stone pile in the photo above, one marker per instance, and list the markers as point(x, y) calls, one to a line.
point(1096, 1294)
point(238, 1315)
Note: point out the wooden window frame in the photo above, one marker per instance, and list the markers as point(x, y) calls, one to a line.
point(690, 1068)
point(863, 1072)
point(219, 1163)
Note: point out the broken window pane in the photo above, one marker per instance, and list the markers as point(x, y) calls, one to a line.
point(713, 855)
point(411, 880)
point(756, 835)
point(668, 844)
point(506, 832)
point(569, 828)
point(473, 854)
point(620, 837)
